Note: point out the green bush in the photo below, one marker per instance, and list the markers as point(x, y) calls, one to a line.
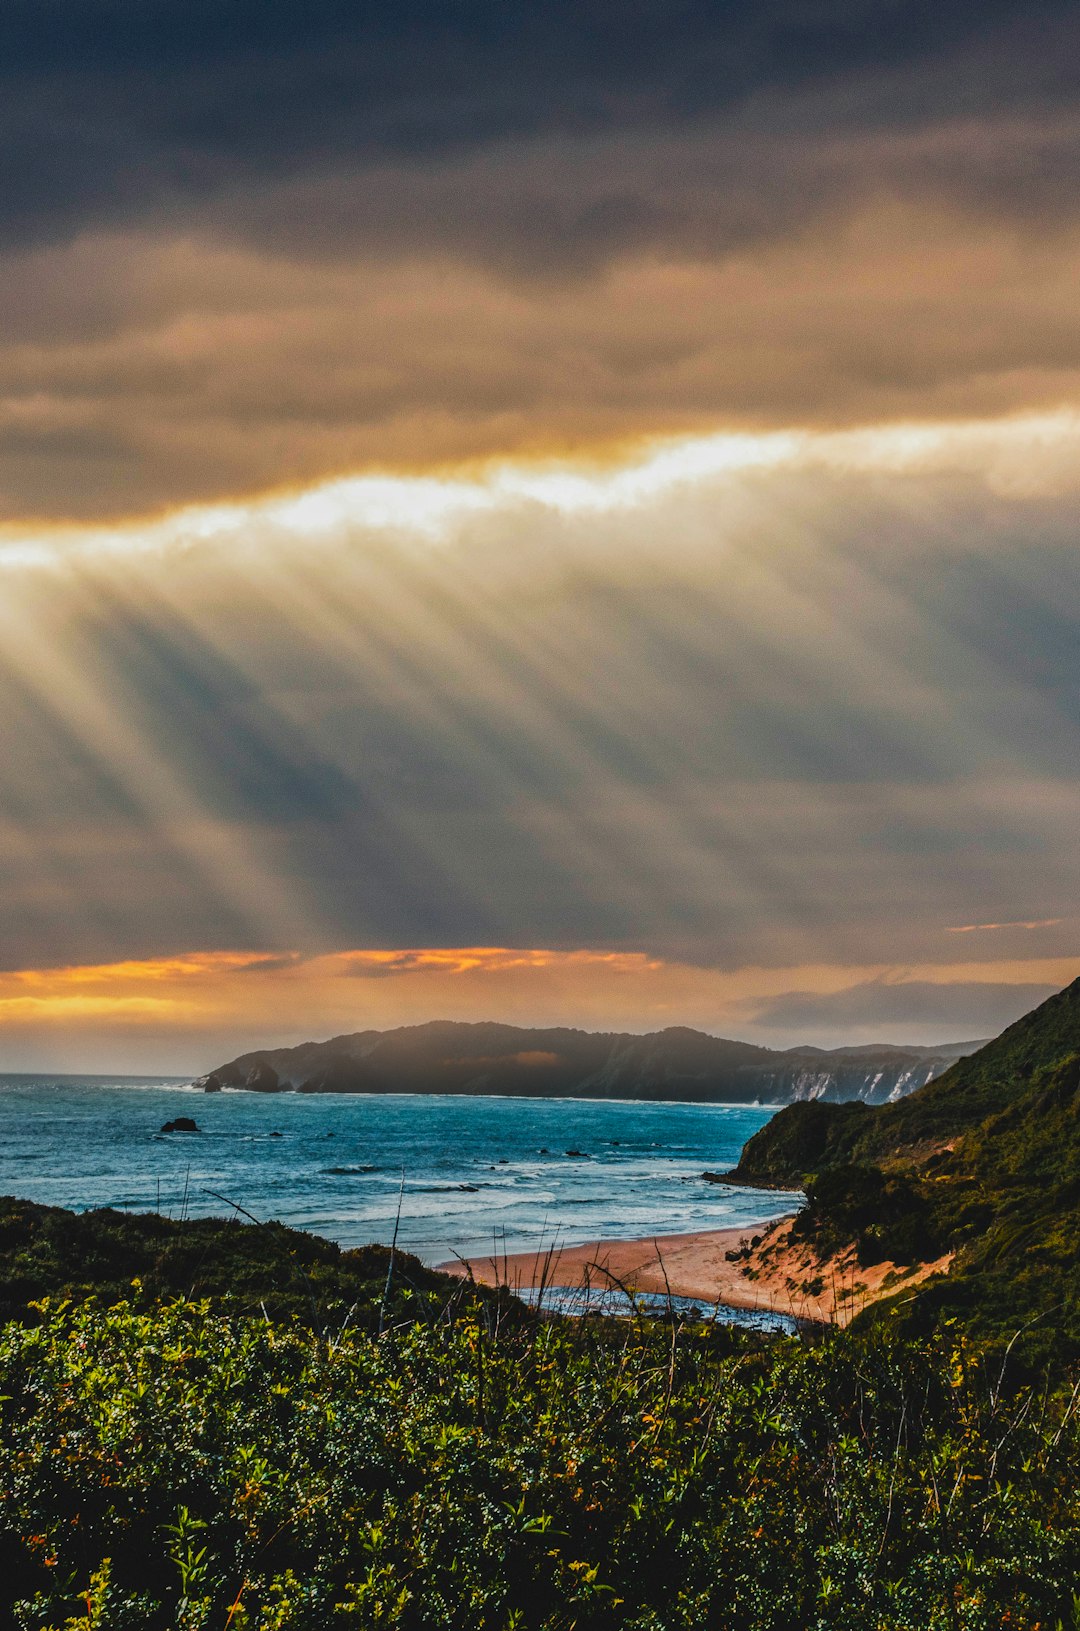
point(886, 1215)
point(174, 1469)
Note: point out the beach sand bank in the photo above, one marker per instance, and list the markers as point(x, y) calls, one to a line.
point(690, 1265)
point(777, 1274)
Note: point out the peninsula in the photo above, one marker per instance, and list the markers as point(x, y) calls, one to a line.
point(677, 1064)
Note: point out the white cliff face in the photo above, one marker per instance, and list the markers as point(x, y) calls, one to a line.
point(848, 1082)
point(812, 1084)
point(908, 1081)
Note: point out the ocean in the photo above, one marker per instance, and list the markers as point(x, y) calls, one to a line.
point(479, 1173)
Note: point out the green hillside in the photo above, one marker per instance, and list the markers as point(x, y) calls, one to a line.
point(804, 1137)
point(265, 1270)
point(984, 1162)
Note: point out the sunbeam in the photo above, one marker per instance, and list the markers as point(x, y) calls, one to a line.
point(699, 708)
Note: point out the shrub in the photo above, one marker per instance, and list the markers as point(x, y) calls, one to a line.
point(177, 1468)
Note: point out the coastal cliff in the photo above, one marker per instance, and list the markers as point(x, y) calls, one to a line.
point(676, 1064)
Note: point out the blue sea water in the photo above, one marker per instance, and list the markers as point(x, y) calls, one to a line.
point(479, 1173)
point(615, 1303)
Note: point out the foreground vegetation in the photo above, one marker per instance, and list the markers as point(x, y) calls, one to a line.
point(176, 1467)
point(267, 1270)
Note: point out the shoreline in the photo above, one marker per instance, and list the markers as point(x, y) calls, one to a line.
point(777, 1275)
point(688, 1265)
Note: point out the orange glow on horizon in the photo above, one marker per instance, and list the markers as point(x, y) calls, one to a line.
point(268, 994)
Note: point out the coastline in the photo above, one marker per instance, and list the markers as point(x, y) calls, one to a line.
point(778, 1275)
point(688, 1265)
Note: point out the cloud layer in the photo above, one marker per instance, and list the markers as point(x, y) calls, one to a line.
point(184, 1014)
point(329, 237)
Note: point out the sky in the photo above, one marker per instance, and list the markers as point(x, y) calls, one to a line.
point(563, 514)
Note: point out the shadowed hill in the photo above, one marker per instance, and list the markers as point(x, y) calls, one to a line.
point(676, 1064)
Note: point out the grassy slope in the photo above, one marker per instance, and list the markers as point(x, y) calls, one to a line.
point(177, 1467)
point(985, 1161)
point(269, 1271)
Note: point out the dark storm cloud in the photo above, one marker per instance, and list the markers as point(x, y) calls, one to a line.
point(249, 246)
point(822, 710)
point(112, 111)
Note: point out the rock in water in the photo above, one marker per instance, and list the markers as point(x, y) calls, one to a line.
point(182, 1124)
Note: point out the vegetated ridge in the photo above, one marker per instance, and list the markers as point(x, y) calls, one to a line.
point(983, 1162)
point(677, 1064)
point(266, 1270)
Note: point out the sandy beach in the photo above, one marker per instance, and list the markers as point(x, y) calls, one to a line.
point(777, 1274)
point(690, 1265)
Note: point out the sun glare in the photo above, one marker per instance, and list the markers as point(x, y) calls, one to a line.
point(1031, 453)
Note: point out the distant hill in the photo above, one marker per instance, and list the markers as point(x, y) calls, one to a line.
point(679, 1064)
point(984, 1161)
